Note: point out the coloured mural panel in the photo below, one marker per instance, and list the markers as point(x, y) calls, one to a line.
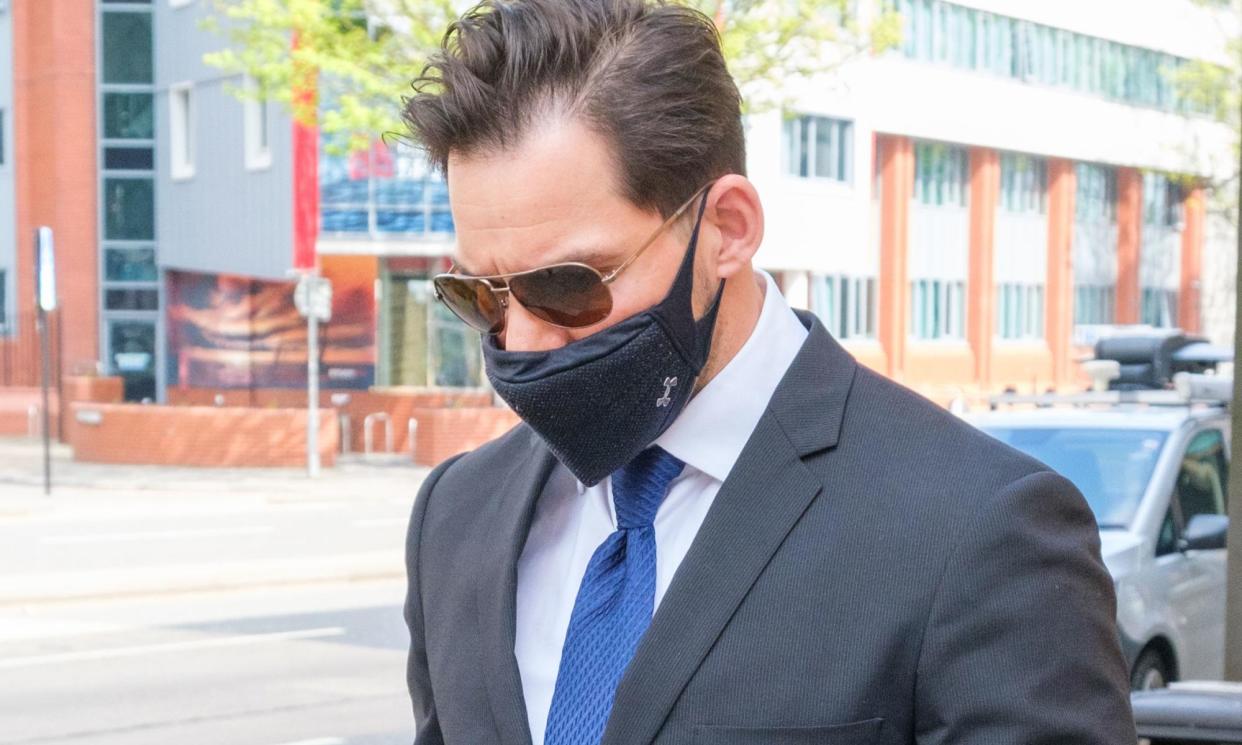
point(227, 331)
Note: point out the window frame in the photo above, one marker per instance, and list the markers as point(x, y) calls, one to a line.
point(181, 131)
point(256, 129)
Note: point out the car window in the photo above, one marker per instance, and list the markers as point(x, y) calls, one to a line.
point(1111, 467)
point(1203, 476)
point(1166, 539)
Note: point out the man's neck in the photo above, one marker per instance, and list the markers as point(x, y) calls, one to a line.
point(740, 306)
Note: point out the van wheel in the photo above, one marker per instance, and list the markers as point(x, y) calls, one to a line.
point(1150, 671)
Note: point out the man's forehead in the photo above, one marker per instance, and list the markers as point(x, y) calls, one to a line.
point(550, 198)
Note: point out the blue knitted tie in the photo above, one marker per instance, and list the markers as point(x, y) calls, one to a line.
point(614, 605)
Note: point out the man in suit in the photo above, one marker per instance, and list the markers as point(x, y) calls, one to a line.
point(712, 526)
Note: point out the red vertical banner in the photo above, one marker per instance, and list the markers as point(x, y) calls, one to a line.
point(305, 194)
point(305, 170)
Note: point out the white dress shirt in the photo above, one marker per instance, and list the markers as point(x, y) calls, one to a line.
point(572, 520)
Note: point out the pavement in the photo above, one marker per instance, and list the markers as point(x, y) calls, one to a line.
point(113, 531)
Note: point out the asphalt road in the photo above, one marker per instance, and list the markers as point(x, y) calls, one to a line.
point(308, 665)
point(145, 606)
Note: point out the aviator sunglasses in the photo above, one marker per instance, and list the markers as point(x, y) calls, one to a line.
point(570, 294)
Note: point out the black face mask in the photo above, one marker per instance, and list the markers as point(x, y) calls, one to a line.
point(599, 401)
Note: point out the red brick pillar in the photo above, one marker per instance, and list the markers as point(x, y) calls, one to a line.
point(1188, 310)
point(1059, 291)
point(897, 187)
point(980, 285)
point(56, 178)
point(1129, 243)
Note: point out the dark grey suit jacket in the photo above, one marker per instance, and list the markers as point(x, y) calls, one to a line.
point(872, 571)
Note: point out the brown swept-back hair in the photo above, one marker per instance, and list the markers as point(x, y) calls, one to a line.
point(647, 75)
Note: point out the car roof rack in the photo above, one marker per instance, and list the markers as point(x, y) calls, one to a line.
point(1189, 389)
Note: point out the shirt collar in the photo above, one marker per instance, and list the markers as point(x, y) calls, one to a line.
point(711, 431)
point(713, 428)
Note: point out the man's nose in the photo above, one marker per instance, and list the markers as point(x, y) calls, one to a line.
point(525, 332)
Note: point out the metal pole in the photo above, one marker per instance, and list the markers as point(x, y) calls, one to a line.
point(312, 382)
point(1233, 582)
point(47, 417)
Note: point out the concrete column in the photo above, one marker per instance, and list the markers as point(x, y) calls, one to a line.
point(1059, 291)
point(980, 283)
point(897, 186)
point(1189, 295)
point(1129, 243)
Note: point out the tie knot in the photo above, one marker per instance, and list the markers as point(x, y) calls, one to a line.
point(639, 486)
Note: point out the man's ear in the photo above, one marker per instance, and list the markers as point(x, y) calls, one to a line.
point(737, 217)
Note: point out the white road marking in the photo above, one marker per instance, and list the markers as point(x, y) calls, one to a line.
point(157, 535)
point(227, 641)
point(319, 741)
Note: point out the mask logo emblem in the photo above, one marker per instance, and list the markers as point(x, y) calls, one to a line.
point(665, 400)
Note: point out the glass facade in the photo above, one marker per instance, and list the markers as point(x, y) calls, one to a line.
point(130, 294)
point(1095, 244)
point(819, 147)
point(422, 343)
point(939, 241)
point(1160, 250)
point(1021, 247)
point(845, 305)
point(970, 39)
point(385, 191)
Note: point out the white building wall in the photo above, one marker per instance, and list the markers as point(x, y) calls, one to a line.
point(830, 228)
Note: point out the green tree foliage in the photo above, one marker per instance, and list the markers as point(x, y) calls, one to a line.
point(1216, 90)
point(358, 57)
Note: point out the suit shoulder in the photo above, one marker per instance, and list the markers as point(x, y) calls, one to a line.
point(461, 482)
point(920, 437)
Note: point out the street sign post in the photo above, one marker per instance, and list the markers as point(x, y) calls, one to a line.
point(45, 302)
point(313, 298)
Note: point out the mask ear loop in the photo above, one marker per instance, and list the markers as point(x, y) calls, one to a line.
point(678, 319)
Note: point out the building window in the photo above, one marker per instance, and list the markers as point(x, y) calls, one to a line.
point(181, 130)
point(819, 147)
point(1160, 250)
point(127, 47)
point(938, 31)
point(129, 209)
point(130, 265)
point(2, 141)
point(4, 301)
point(382, 190)
point(257, 130)
point(1023, 184)
point(938, 309)
point(1021, 247)
point(845, 305)
point(941, 175)
point(128, 116)
point(1095, 245)
point(1019, 310)
point(939, 241)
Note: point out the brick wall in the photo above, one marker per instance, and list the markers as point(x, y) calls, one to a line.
point(446, 432)
point(401, 405)
point(196, 435)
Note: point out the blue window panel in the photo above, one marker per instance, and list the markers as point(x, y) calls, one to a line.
point(441, 222)
point(402, 192)
point(438, 193)
point(392, 221)
point(343, 221)
point(344, 192)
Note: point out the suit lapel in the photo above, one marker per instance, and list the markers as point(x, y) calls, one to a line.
point(768, 490)
point(497, 589)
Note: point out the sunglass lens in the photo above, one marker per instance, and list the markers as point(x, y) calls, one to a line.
point(569, 295)
point(472, 301)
